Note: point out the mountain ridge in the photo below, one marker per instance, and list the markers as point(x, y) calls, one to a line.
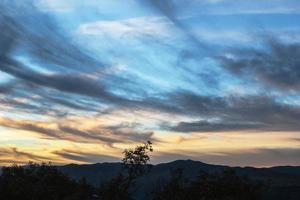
point(279, 180)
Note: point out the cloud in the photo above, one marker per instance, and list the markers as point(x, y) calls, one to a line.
point(260, 157)
point(48, 130)
point(296, 139)
point(39, 38)
point(30, 156)
point(254, 11)
point(263, 157)
point(277, 65)
point(88, 135)
point(156, 26)
point(276, 10)
point(223, 37)
point(131, 132)
point(19, 156)
point(54, 5)
point(12, 104)
point(7, 87)
point(240, 7)
point(211, 1)
point(35, 29)
point(164, 157)
point(30, 126)
point(170, 10)
point(255, 113)
point(69, 103)
point(99, 134)
point(53, 78)
point(72, 155)
point(24, 97)
point(63, 82)
point(206, 126)
point(56, 52)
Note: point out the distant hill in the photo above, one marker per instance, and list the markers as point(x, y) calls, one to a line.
point(284, 181)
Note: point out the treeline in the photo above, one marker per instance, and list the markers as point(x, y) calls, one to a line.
point(225, 185)
point(41, 182)
point(46, 182)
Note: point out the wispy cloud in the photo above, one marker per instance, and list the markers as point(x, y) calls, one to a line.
point(276, 65)
point(112, 73)
point(156, 26)
point(18, 156)
point(99, 134)
point(260, 113)
point(264, 157)
point(77, 156)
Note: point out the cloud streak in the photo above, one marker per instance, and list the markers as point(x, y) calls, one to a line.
point(277, 65)
point(116, 78)
point(17, 155)
point(99, 134)
point(260, 157)
point(78, 156)
point(26, 27)
point(256, 113)
point(170, 9)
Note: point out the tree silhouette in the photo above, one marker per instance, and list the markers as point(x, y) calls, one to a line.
point(40, 182)
point(136, 160)
point(135, 163)
point(226, 185)
point(46, 182)
point(175, 189)
point(116, 189)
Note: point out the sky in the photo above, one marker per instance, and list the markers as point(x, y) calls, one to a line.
point(211, 80)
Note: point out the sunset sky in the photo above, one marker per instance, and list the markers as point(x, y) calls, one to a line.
point(210, 80)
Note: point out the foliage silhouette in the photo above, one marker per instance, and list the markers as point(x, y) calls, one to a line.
point(175, 189)
point(46, 182)
point(215, 186)
point(116, 189)
point(136, 160)
point(135, 163)
point(40, 182)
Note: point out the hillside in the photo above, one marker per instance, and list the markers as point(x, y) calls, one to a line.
point(282, 180)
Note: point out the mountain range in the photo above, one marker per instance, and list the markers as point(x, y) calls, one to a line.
point(282, 182)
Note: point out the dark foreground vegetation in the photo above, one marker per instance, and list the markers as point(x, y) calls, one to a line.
point(47, 182)
point(41, 182)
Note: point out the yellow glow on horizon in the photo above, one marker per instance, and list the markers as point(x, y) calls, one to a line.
point(197, 145)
